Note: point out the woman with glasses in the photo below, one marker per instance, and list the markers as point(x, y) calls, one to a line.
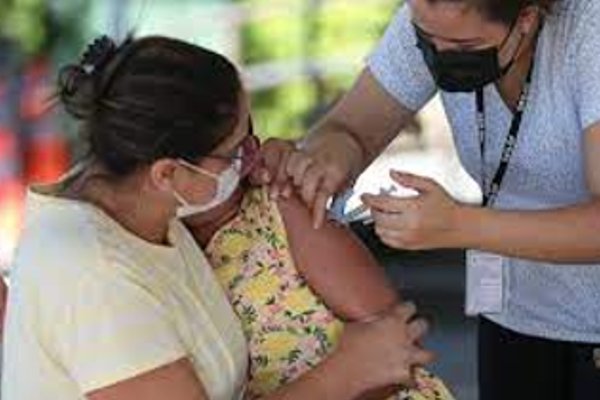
point(111, 295)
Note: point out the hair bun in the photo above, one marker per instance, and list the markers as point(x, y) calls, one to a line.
point(78, 83)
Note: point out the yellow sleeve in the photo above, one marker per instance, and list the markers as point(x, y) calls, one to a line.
point(106, 329)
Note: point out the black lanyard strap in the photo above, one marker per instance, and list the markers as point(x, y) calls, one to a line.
point(490, 192)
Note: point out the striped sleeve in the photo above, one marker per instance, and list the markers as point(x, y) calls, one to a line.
point(109, 329)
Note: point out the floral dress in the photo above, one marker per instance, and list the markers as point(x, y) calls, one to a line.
point(289, 330)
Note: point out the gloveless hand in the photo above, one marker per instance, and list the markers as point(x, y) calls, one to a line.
point(318, 169)
point(429, 220)
point(384, 352)
point(272, 167)
point(322, 167)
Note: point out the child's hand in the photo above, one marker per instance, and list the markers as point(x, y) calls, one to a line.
point(384, 352)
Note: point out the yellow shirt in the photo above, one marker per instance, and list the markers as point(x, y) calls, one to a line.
point(289, 329)
point(91, 304)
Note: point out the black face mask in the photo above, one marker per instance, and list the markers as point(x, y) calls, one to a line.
point(462, 71)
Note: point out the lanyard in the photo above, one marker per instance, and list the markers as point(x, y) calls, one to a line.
point(490, 192)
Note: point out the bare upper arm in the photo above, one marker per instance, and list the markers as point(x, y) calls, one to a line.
point(175, 381)
point(337, 266)
point(369, 113)
point(592, 158)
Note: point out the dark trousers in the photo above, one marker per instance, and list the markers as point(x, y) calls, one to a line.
point(519, 367)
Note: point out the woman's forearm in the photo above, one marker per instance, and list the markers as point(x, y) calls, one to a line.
point(331, 379)
point(368, 115)
point(363, 141)
point(567, 235)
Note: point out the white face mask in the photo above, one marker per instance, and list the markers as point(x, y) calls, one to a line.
point(227, 182)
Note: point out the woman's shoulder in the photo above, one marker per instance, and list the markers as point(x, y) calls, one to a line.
point(261, 216)
point(574, 8)
point(54, 263)
point(59, 242)
point(575, 17)
point(258, 209)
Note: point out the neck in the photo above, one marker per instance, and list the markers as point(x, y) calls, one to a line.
point(145, 219)
point(510, 86)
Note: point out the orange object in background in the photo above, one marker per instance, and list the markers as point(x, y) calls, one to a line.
point(11, 195)
point(46, 159)
point(45, 152)
point(32, 149)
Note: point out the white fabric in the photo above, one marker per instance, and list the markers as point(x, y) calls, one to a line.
point(91, 305)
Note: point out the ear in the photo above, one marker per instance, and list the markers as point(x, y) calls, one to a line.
point(529, 19)
point(162, 174)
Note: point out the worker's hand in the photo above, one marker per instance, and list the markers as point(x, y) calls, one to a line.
point(428, 220)
point(272, 167)
point(322, 167)
point(386, 351)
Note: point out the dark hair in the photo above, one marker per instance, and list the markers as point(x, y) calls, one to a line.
point(505, 11)
point(150, 98)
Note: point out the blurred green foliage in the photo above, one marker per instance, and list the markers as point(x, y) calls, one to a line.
point(341, 30)
point(26, 22)
point(39, 26)
point(324, 30)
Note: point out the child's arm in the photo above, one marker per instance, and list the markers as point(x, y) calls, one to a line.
point(337, 266)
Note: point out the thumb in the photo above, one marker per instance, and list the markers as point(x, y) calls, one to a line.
point(260, 175)
point(415, 182)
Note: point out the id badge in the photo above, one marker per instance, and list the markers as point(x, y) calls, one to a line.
point(485, 283)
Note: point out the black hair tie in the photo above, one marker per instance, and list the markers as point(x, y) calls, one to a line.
point(98, 54)
point(78, 83)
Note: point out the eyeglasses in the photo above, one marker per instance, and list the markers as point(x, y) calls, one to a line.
point(248, 152)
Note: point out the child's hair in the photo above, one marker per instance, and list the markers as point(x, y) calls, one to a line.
point(150, 98)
